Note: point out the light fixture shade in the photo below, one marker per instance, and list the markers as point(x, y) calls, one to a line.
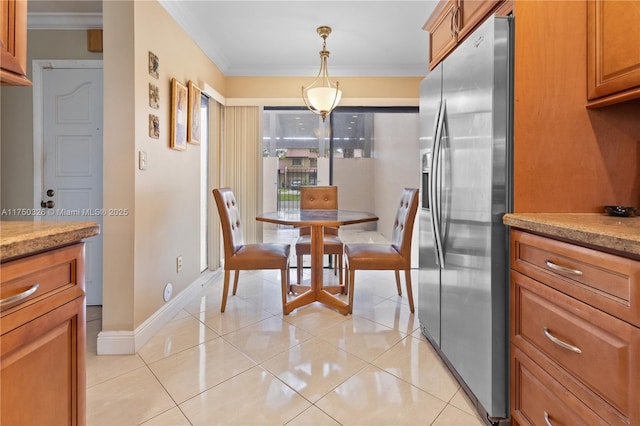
point(324, 99)
point(321, 96)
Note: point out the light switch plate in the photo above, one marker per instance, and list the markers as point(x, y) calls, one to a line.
point(142, 160)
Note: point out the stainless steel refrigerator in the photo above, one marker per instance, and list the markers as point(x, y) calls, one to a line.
point(466, 149)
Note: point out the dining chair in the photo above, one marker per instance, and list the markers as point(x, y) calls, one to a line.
point(319, 198)
point(239, 256)
point(395, 256)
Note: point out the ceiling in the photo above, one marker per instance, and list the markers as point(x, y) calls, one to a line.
point(278, 38)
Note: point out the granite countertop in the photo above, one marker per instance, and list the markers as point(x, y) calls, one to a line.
point(618, 234)
point(23, 238)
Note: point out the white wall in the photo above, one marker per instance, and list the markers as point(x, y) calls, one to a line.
point(397, 163)
point(375, 184)
point(397, 167)
point(354, 178)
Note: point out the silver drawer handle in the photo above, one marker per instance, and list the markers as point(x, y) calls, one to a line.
point(546, 419)
point(559, 342)
point(18, 297)
point(552, 265)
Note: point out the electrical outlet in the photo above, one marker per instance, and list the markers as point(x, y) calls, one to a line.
point(168, 291)
point(179, 263)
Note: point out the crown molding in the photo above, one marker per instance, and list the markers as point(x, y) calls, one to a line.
point(63, 21)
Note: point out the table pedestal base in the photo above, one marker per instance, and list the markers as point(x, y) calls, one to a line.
point(306, 295)
point(317, 292)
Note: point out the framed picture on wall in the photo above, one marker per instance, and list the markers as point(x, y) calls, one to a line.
point(179, 106)
point(193, 119)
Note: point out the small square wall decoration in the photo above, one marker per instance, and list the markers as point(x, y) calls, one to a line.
point(154, 65)
point(154, 96)
point(154, 126)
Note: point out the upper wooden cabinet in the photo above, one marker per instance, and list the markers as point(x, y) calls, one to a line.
point(613, 70)
point(451, 21)
point(13, 43)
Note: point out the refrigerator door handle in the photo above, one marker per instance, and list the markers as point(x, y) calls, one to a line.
point(435, 184)
point(432, 161)
point(432, 177)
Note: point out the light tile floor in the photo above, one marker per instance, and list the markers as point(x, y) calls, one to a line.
point(254, 366)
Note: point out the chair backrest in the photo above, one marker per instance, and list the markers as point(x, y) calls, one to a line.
point(318, 197)
point(403, 225)
point(230, 220)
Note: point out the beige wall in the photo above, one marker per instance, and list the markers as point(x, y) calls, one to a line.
point(118, 167)
point(356, 91)
point(16, 129)
point(141, 250)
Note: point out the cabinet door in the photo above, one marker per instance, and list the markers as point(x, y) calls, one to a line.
point(42, 379)
point(471, 14)
point(441, 26)
point(613, 53)
point(13, 42)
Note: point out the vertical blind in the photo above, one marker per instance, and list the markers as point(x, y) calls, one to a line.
point(242, 164)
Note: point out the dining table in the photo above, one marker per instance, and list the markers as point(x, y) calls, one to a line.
point(316, 220)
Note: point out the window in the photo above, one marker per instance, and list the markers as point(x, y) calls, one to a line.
point(296, 131)
point(302, 150)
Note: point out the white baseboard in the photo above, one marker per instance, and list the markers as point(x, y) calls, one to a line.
point(125, 342)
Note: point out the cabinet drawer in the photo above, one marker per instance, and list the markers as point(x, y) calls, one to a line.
point(537, 398)
point(598, 349)
point(606, 281)
point(52, 272)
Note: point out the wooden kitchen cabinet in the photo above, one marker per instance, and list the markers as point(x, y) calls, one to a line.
point(575, 334)
point(441, 28)
point(613, 53)
point(42, 351)
point(13, 43)
point(451, 21)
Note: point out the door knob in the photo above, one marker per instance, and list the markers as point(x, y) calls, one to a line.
point(50, 192)
point(48, 204)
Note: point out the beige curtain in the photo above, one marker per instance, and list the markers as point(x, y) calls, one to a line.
point(216, 116)
point(242, 164)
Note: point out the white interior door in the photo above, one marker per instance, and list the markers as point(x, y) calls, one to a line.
point(72, 158)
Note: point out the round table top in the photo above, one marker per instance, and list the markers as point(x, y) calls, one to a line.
point(317, 217)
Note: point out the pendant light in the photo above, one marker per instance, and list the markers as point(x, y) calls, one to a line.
point(321, 96)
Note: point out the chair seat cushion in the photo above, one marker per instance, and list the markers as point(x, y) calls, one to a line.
point(332, 245)
point(260, 256)
point(374, 256)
